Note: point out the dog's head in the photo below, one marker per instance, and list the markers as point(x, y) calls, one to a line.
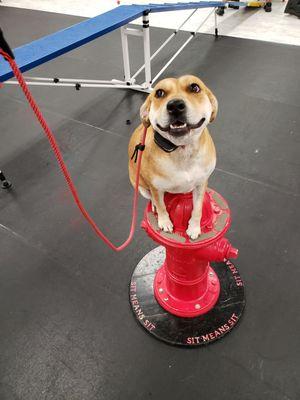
point(179, 109)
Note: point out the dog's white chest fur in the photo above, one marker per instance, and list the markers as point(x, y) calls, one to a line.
point(183, 171)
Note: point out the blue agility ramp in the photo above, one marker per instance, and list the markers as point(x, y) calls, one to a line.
point(49, 47)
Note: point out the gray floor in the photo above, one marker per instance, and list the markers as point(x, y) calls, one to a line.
point(67, 331)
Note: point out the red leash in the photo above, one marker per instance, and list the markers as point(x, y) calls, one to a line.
point(64, 169)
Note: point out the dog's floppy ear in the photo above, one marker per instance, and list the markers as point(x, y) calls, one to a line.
point(214, 104)
point(144, 111)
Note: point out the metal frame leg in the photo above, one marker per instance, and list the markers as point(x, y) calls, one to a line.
point(125, 51)
point(145, 33)
point(147, 55)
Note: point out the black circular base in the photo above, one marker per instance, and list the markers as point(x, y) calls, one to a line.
point(180, 331)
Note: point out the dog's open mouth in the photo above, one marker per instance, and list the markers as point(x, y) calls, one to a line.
point(180, 128)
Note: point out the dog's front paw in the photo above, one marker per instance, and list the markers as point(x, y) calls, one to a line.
point(194, 230)
point(165, 223)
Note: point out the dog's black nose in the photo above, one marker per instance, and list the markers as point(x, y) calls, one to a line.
point(176, 106)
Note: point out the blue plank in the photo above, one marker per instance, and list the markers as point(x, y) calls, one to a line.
point(58, 43)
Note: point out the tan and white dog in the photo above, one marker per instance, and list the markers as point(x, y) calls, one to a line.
point(180, 154)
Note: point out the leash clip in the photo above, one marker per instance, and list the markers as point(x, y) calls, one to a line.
point(138, 147)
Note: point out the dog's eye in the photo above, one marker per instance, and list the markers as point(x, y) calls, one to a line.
point(159, 93)
point(195, 88)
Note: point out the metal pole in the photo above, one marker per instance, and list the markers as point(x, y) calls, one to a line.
point(216, 23)
point(78, 85)
point(125, 51)
point(154, 55)
point(65, 80)
point(181, 48)
point(147, 60)
point(173, 58)
point(164, 44)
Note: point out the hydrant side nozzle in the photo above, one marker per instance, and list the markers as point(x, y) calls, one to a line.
point(219, 250)
point(232, 252)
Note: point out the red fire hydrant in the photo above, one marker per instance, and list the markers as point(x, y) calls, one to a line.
point(186, 285)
